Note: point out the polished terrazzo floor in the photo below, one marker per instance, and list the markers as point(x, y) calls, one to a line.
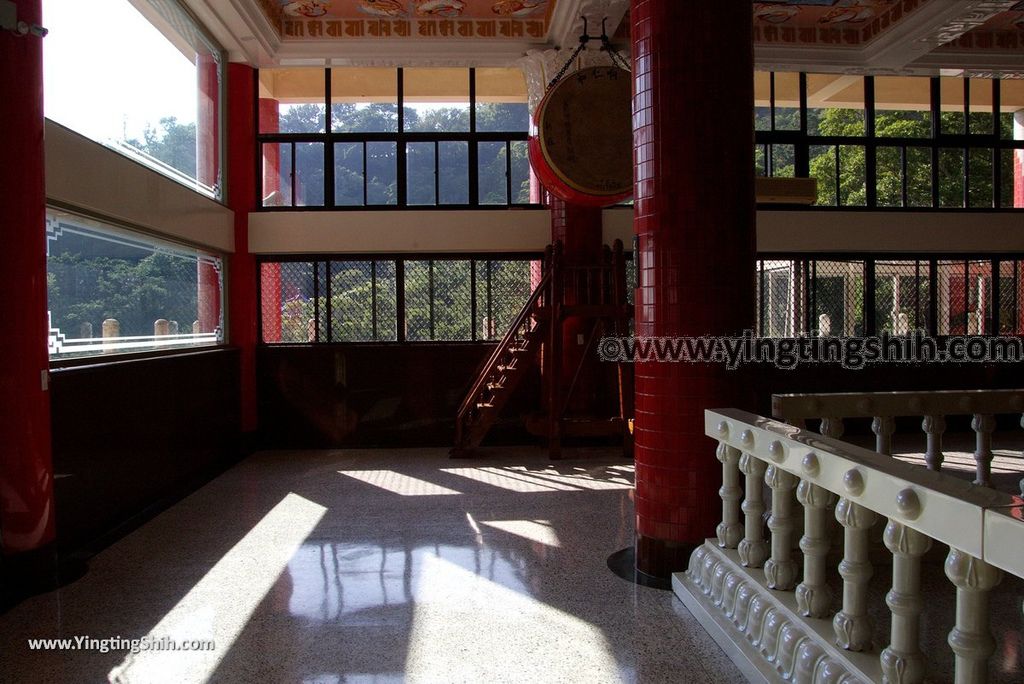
point(377, 566)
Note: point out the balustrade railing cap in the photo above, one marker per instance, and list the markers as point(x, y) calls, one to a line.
point(875, 404)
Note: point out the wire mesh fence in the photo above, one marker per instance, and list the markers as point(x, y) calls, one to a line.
point(362, 300)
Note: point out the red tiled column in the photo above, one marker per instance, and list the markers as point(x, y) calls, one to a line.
point(694, 217)
point(242, 199)
point(26, 470)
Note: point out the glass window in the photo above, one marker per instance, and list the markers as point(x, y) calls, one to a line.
point(952, 118)
point(981, 120)
point(1010, 320)
point(453, 172)
point(762, 100)
point(980, 194)
point(951, 178)
point(501, 101)
point(381, 173)
point(837, 298)
point(1011, 107)
point(292, 101)
point(349, 179)
point(965, 297)
point(502, 289)
point(112, 290)
point(100, 62)
point(309, 174)
point(277, 174)
point(835, 104)
point(493, 184)
point(903, 107)
point(362, 301)
point(436, 100)
point(421, 178)
point(364, 100)
point(438, 300)
point(525, 186)
point(901, 296)
point(787, 101)
point(783, 164)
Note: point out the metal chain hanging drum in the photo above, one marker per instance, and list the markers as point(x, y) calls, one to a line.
point(583, 148)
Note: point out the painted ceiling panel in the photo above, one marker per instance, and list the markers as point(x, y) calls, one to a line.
point(467, 19)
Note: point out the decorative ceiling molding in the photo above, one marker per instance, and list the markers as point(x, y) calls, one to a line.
point(971, 15)
point(907, 48)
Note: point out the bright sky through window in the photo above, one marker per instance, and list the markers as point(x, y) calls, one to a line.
point(108, 73)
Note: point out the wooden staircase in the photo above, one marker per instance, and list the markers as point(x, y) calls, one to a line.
point(593, 292)
point(512, 358)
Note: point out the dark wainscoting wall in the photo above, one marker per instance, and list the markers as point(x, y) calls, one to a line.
point(377, 395)
point(132, 436)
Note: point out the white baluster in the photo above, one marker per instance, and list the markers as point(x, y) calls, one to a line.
point(934, 427)
point(983, 425)
point(852, 624)
point(971, 638)
point(781, 569)
point(833, 427)
point(753, 549)
point(813, 596)
point(730, 530)
point(883, 427)
point(902, 662)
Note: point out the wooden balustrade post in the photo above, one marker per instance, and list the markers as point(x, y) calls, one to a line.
point(971, 638)
point(851, 624)
point(934, 427)
point(730, 530)
point(983, 426)
point(902, 661)
point(813, 596)
point(753, 549)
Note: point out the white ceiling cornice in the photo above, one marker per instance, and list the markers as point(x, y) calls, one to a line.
point(906, 48)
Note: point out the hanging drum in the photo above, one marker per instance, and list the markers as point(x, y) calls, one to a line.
point(582, 150)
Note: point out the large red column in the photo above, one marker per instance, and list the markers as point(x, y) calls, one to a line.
point(241, 189)
point(26, 470)
point(694, 217)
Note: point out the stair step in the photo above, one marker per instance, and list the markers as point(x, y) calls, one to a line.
point(495, 386)
point(482, 405)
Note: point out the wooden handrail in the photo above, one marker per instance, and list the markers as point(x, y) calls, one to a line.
point(502, 346)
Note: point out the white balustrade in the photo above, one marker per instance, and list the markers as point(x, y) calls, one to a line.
point(884, 407)
point(753, 548)
point(933, 427)
point(779, 630)
point(730, 530)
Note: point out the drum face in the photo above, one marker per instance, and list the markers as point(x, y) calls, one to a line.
point(584, 147)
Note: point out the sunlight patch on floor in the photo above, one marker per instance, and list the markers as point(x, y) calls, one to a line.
point(470, 629)
point(540, 531)
point(397, 483)
point(220, 605)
